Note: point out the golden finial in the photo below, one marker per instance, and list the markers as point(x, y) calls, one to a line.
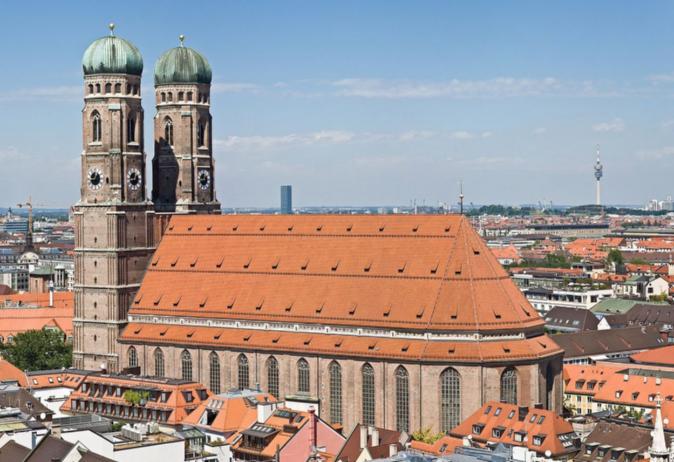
point(181, 37)
point(111, 26)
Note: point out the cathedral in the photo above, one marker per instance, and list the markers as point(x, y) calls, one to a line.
point(398, 321)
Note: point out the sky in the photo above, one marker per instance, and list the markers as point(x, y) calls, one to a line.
point(368, 102)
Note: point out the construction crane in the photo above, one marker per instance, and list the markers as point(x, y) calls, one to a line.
point(29, 234)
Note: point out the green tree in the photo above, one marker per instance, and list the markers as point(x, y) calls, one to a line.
point(426, 435)
point(615, 256)
point(35, 350)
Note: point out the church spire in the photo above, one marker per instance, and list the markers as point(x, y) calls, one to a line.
point(658, 450)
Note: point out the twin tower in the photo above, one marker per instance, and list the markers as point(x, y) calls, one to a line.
point(117, 227)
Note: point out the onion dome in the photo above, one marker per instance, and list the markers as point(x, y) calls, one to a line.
point(182, 65)
point(112, 55)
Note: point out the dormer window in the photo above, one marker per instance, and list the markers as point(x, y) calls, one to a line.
point(477, 428)
point(538, 440)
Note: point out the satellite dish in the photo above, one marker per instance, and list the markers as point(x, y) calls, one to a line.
point(43, 416)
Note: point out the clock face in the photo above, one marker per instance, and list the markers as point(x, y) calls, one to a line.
point(135, 179)
point(204, 179)
point(95, 178)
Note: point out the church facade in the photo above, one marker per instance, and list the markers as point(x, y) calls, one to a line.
point(401, 322)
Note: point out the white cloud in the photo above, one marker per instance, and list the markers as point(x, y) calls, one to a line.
point(235, 87)
point(59, 93)
point(9, 153)
point(616, 125)
point(258, 142)
point(540, 131)
point(490, 88)
point(656, 154)
point(662, 78)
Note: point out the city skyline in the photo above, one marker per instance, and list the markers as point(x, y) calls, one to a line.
point(374, 111)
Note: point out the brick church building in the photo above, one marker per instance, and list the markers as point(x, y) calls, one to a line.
point(401, 322)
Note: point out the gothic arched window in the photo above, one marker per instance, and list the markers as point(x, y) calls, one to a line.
point(201, 132)
point(402, 399)
point(163, 97)
point(181, 96)
point(335, 393)
point(367, 375)
point(214, 372)
point(450, 399)
point(509, 386)
point(170, 96)
point(131, 129)
point(91, 89)
point(98, 88)
point(186, 363)
point(118, 88)
point(189, 96)
point(95, 127)
point(244, 373)
point(303, 385)
point(108, 88)
point(158, 363)
point(272, 377)
point(133, 357)
point(168, 131)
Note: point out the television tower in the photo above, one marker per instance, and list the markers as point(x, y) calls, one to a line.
point(598, 173)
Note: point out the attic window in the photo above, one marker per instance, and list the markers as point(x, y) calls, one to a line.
point(497, 315)
point(209, 227)
point(447, 228)
point(219, 264)
point(434, 269)
point(189, 228)
point(352, 309)
point(401, 268)
point(230, 305)
point(177, 300)
point(202, 303)
point(170, 228)
point(454, 314)
point(248, 262)
point(275, 264)
point(420, 313)
point(476, 251)
point(451, 350)
point(217, 336)
point(372, 346)
point(457, 270)
point(335, 266)
point(175, 261)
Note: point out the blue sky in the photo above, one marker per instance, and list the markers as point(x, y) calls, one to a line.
point(369, 103)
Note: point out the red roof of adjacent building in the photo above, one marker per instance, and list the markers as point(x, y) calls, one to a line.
point(539, 430)
point(30, 311)
point(10, 373)
point(658, 356)
point(231, 413)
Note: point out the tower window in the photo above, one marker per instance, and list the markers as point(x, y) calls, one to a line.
point(108, 87)
point(98, 88)
point(303, 376)
point(131, 129)
point(189, 96)
point(181, 96)
point(244, 375)
point(163, 97)
point(186, 362)
point(95, 127)
point(128, 89)
point(91, 89)
point(170, 96)
point(168, 131)
point(201, 131)
point(118, 88)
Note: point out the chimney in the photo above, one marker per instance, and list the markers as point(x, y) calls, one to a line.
point(538, 406)
point(375, 436)
point(51, 294)
point(392, 449)
point(314, 430)
point(522, 412)
point(363, 436)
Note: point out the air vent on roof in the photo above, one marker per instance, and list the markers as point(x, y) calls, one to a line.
point(189, 228)
point(319, 309)
point(170, 228)
point(454, 313)
point(193, 263)
point(335, 266)
point(190, 334)
point(248, 262)
point(262, 227)
point(275, 264)
point(235, 227)
point(381, 228)
point(526, 312)
point(217, 336)
point(290, 228)
point(305, 264)
point(175, 261)
point(319, 227)
point(137, 331)
point(434, 268)
point(415, 229)
point(162, 333)
point(157, 300)
point(209, 227)
point(420, 313)
point(138, 299)
point(457, 270)
point(405, 347)
point(451, 350)
point(203, 301)
point(447, 228)
point(247, 337)
point(506, 349)
point(367, 267)
point(497, 315)
point(259, 304)
point(387, 311)
point(372, 346)
point(289, 307)
point(230, 304)
point(349, 228)
point(476, 251)
point(352, 309)
point(219, 263)
point(176, 302)
point(307, 341)
point(276, 339)
point(401, 268)
point(155, 261)
point(338, 343)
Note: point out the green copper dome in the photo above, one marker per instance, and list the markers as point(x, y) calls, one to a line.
point(182, 65)
point(112, 55)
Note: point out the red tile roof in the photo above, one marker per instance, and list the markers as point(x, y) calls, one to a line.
point(658, 356)
point(31, 311)
point(10, 373)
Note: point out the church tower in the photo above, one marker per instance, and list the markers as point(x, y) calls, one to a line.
point(113, 218)
point(183, 168)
